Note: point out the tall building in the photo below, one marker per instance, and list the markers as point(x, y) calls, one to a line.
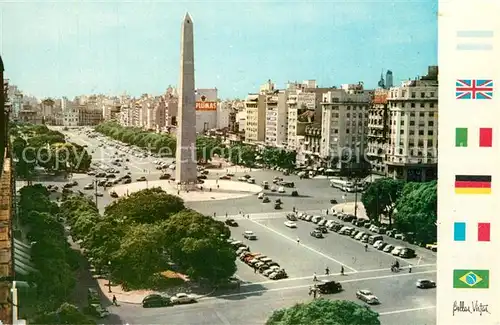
point(388, 79)
point(276, 119)
point(378, 131)
point(344, 123)
point(206, 109)
point(413, 119)
point(255, 118)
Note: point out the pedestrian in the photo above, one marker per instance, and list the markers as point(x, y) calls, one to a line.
point(115, 302)
point(315, 277)
point(214, 214)
point(409, 268)
point(327, 271)
point(326, 211)
point(226, 215)
point(217, 185)
point(315, 293)
point(341, 270)
point(254, 269)
point(366, 247)
point(298, 241)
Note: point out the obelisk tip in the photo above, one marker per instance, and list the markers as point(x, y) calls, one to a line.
point(187, 18)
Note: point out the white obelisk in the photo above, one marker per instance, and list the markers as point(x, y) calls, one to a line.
point(185, 169)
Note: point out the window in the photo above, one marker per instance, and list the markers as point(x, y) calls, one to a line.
point(422, 95)
point(401, 131)
point(431, 114)
point(412, 105)
point(412, 123)
point(430, 132)
point(347, 131)
point(422, 114)
point(412, 132)
point(420, 132)
point(429, 143)
point(432, 94)
point(412, 113)
point(431, 105)
point(402, 123)
point(422, 105)
point(348, 114)
point(431, 123)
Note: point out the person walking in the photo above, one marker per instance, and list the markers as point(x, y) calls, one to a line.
point(315, 277)
point(366, 247)
point(327, 271)
point(115, 302)
point(298, 241)
point(341, 270)
point(409, 268)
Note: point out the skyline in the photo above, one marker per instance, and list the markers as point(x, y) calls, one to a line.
point(70, 49)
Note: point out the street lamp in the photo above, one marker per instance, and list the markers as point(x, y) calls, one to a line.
point(109, 276)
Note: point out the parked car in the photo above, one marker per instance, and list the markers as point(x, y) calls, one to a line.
point(407, 253)
point(291, 217)
point(165, 176)
point(266, 199)
point(425, 284)
point(141, 179)
point(156, 300)
point(295, 193)
point(290, 224)
point(316, 234)
point(397, 250)
point(381, 246)
point(281, 189)
point(280, 274)
point(367, 296)
point(182, 298)
point(388, 248)
point(323, 229)
point(231, 223)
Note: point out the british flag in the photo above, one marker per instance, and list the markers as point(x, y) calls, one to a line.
point(474, 89)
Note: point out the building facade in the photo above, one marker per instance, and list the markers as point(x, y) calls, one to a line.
point(276, 119)
point(378, 131)
point(344, 123)
point(89, 116)
point(206, 109)
point(255, 118)
point(413, 121)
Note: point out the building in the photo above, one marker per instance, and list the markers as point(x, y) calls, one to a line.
point(255, 118)
point(413, 120)
point(309, 153)
point(378, 131)
point(276, 119)
point(70, 113)
point(89, 116)
point(29, 114)
point(206, 109)
point(224, 110)
point(344, 124)
point(389, 79)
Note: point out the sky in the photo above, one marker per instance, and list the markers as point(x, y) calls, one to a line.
point(56, 48)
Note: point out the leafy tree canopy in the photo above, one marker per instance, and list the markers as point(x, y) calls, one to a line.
point(65, 314)
point(146, 206)
point(380, 198)
point(325, 312)
point(417, 211)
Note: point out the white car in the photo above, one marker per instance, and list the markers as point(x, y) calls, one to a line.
point(396, 250)
point(377, 243)
point(290, 224)
point(270, 270)
point(248, 234)
point(367, 296)
point(281, 189)
point(261, 195)
point(388, 248)
point(182, 298)
point(242, 179)
point(88, 187)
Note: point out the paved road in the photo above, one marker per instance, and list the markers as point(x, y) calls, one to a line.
point(402, 303)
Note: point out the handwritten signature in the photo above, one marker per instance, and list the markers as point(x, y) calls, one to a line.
point(473, 307)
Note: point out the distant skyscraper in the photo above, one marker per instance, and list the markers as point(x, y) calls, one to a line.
point(388, 79)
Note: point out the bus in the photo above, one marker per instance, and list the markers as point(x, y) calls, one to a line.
point(346, 186)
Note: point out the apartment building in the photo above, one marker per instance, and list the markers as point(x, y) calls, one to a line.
point(255, 118)
point(89, 115)
point(309, 150)
point(378, 131)
point(344, 123)
point(413, 121)
point(276, 119)
point(29, 114)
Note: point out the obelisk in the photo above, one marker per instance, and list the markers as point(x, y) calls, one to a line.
point(185, 168)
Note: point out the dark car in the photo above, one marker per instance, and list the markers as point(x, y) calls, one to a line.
point(329, 287)
point(291, 217)
point(407, 253)
point(425, 284)
point(155, 300)
point(295, 193)
point(323, 229)
point(127, 181)
point(316, 234)
point(231, 222)
point(165, 176)
point(333, 201)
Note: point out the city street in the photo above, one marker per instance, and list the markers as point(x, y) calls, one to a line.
point(401, 301)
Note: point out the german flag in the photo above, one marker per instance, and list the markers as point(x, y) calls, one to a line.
point(472, 184)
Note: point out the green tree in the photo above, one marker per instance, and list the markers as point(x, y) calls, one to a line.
point(146, 206)
point(65, 314)
point(417, 211)
point(325, 312)
point(140, 255)
point(380, 198)
point(198, 245)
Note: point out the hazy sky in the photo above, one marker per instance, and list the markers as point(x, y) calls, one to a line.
point(55, 48)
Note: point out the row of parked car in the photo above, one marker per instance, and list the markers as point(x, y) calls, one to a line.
point(369, 237)
point(260, 262)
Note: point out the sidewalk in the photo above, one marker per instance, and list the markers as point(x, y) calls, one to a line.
point(136, 296)
point(348, 208)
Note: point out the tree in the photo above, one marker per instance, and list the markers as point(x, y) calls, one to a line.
point(146, 206)
point(380, 198)
point(325, 312)
point(65, 314)
point(417, 211)
point(198, 245)
point(140, 255)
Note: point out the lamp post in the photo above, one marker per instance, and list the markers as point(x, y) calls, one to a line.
point(109, 276)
